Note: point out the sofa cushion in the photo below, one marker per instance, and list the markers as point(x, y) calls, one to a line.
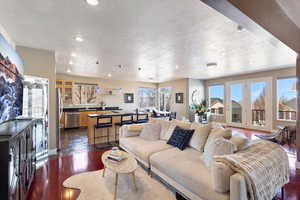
point(131, 130)
point(200, 135)
point(173, 124)
point(215, 133)
point(142, 148)
point(217, 147)
point(151, 131)
point(221, 174)
point(180, 137)
point(187, 169)
point(164, 123)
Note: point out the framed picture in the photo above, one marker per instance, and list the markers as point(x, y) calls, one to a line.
point(179, 98)
point(128, 98)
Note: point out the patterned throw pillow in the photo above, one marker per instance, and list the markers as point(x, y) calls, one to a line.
point(180, 138)
point(217, 147)
point(216, 133)
point(173, 124)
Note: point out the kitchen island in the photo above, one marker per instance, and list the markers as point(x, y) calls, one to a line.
point(82, 115)
point(116, 117)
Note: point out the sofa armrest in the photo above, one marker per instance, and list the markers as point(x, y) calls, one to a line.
point(131, 130)
point(238, 187)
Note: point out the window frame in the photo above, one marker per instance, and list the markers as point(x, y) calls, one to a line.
point(155, 100)
point(170, 98)
point(209, 103)
point(277, 99)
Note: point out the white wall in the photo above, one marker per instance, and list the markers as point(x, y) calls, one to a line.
point(41, 63)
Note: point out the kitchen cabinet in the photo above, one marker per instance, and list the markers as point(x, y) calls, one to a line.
point(84, 117)
point(66, 90)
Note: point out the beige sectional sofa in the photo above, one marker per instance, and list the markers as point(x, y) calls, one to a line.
point(183, 170)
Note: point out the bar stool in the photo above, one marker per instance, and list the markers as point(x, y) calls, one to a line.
point(124, 121)
point(107, 124)
point(172, 116)
point(141, 118)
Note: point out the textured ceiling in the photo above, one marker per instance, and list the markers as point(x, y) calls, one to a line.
point(155, 35)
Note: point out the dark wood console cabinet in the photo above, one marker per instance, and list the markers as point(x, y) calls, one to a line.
point(17, 158)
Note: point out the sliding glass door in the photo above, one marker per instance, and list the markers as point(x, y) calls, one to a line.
point(236, 115)
point(260, 96)
point(249, 103)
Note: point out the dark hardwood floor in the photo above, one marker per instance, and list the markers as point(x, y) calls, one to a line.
point(74, 141)
point(47, 184)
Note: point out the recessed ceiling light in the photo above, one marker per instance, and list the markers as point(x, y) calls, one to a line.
point(240, 28)
point(176, 67)
point(73, 54)
point(212, 64)
point(78, 38)
point(68, 70)
point(70, 63)
point(139, 68)
point(92, 2)
point(109, 75)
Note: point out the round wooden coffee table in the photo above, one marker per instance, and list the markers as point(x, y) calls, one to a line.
point(127, 166)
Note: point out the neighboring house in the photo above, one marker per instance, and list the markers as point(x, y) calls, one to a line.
point(286, 112)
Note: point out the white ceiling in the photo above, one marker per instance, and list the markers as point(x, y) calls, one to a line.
point(156, 35)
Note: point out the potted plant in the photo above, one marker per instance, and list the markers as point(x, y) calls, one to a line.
point(200, 111)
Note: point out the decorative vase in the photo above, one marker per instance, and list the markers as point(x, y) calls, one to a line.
point(197, 118)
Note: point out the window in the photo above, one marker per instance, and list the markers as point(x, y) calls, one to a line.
point(286, 98)
point(216, 99)
point(147, 97)
point(165, 98)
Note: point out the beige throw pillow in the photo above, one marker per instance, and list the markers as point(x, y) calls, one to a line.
point(218, 132)
point(173, 124)
point(240, 140)
point(164, 125)
point(217, 147)
point(200, 135)
point(151, 131)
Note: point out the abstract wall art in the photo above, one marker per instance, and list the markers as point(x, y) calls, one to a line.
point(11, 82)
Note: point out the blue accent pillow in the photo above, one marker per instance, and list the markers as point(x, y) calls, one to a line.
point(180, 138)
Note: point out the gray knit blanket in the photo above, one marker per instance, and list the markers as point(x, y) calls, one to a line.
point(264, 165)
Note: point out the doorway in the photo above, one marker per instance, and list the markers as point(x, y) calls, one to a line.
point(250, 103)
point(35, 105)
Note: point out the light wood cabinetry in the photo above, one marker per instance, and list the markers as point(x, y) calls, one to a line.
point(66, 90)
point(84, 117)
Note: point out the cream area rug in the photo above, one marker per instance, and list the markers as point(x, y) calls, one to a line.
point(93, 186)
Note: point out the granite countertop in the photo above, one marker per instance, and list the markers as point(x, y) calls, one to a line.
point(12, 128)
point(115, 113)
point(95, 108)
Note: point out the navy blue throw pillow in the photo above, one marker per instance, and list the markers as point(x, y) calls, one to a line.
point(180, 138)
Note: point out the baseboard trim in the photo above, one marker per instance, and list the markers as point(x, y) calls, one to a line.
point(52, 152)
point(298, 165)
